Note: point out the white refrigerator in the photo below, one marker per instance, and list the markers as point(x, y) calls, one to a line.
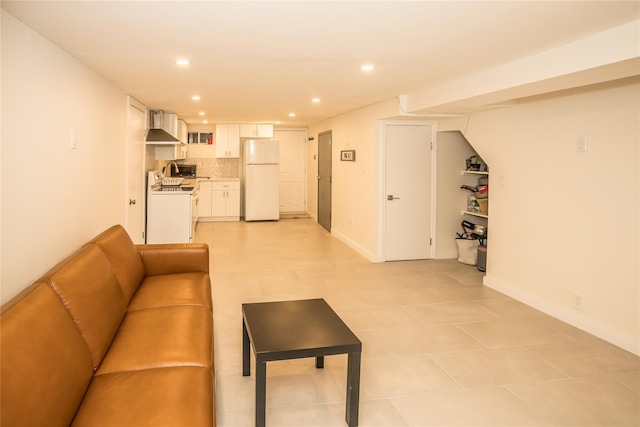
point(261, 180)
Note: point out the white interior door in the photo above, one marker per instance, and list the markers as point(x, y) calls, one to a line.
point(407, 233)
point(292, 170)
point(136, 126)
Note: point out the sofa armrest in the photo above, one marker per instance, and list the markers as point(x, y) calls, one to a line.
point(174, 258)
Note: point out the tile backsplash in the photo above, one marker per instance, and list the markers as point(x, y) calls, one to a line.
point(215, 168)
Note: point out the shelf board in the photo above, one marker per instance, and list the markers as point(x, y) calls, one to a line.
point(474, 172)
point(474, 214)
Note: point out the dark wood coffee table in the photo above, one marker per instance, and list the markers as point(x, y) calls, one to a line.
point(296, 329)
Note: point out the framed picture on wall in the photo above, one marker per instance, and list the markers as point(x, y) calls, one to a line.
point(348, 155)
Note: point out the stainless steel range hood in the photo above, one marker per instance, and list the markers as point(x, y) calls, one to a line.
point(163, 127)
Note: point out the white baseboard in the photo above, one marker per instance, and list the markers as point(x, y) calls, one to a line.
point(447, 255)
point(568, 315)
point(353, 245)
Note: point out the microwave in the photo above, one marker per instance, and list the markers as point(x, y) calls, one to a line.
point(185, 171)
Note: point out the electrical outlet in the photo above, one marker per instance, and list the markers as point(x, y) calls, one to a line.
point(73, 140)
point(576, 302)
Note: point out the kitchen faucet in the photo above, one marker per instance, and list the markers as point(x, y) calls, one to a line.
point(169, 165)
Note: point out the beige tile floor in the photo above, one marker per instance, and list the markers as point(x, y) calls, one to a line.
point(439, 348)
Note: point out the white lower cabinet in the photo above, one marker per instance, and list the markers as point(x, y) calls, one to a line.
point(222, 201)
point(204, 201)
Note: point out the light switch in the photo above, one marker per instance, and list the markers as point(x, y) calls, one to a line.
point(581, 144)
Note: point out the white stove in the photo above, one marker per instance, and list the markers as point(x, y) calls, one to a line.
point(172, 209)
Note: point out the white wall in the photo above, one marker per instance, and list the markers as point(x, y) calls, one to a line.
point(357, 186)
point(354, 216)
point(54, 198)
point(564, 222)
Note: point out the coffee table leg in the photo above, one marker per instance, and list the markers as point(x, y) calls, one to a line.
point(320, 362)
point(261, 393)
point(353, 389)
point(246, 348)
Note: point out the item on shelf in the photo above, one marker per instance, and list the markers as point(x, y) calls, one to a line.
point(482, 192)
point(472, 204)
point(472, 231)
point(473, 163)
point(483, 205)
point(479, 230)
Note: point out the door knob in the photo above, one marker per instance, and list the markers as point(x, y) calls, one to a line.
point(390, 197)
point(318, 177)
point(132, 202)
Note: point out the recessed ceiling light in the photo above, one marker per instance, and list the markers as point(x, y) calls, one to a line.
point(201, 113)
point(182, 62)
point(367, 67)
point(292, 114)
point(196, 97)
point(315, 100)
point(205, 121)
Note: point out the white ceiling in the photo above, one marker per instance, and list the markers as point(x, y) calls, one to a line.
point(258, 61)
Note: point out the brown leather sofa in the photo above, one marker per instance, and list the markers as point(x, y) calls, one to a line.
point(117, 334)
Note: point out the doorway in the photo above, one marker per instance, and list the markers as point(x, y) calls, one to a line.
point(408, 192)
point(324, 180)
point(136, 126)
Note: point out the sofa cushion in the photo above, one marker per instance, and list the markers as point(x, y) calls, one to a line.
point(172, 258)
point(180, 396)
point(90, 291)
point(173, 289)
point(161, 337)
point(46, 366)
point(124, 258)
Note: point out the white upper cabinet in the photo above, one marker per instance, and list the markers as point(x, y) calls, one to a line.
point(183, 131)
point(256, 130)
point(228, 141)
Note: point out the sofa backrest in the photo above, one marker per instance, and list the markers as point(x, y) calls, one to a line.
point(46, 366)
point(91, 293)
point(124, 258)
